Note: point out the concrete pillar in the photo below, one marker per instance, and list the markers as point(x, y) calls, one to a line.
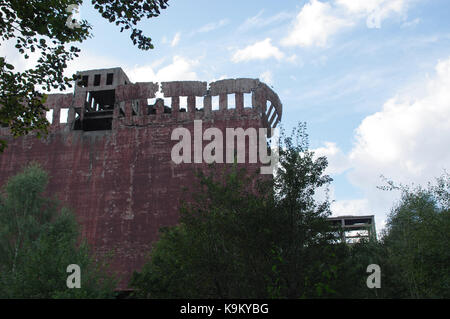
point(239, 98)
point(207, 105)
point(223, 101)
point(175, 106)
point(191, 104)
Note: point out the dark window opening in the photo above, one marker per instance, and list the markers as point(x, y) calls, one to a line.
point(151, 109)
point(77, 125)
point(77, 122)
point(98, 113)
point(97, 78)
point(103, 124)
point(101, 101)
point(109, 78)
point(84, 81)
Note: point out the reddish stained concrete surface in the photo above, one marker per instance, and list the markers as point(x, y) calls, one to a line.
point(111, 162)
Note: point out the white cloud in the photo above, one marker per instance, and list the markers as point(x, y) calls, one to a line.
point(337, 160)
point(317, 21)
point(314, 24)
point(259, 51)
point(175, 39)
point(356, 207)
point(258, 21)
point(266, 77)
point(12, 56)
point(409, 24)
point(294, 59)
point(181, 69)
point(212, 26)
point(407, 141)
point(375, 10)
point(89, 61)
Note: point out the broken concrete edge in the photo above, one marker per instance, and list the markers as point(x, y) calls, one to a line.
point(142, 91)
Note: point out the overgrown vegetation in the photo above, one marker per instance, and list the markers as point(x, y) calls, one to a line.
point(416, 242)
point(38, 240)
point(245, 237)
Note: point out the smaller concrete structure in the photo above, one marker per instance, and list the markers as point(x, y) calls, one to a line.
point(355, 228)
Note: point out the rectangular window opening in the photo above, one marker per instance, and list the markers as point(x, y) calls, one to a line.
point(199, 103)
point(97, 78)
point(183, 103)
point(84, 81)
point(231, 101)
point(63, 115)
point(109, 78)
point(49, 116)
point(247, 100)
point(215, 103)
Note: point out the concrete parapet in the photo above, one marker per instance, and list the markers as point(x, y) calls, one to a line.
point(107, 100)
point(183, 88)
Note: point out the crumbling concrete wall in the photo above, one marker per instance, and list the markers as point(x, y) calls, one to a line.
point(121, 183)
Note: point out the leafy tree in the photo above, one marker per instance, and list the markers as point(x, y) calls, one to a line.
point(362, 254)
point(417, 242)
point(244, 236)
point(43, 26)
point(38, 240)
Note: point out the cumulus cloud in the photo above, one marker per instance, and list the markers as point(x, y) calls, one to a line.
point(180, 69)
point(407, 141)
point(337, 160)
point(356, 207)
point(375, 10)
point(259, 51)
point(314, 24)
point(317, 21)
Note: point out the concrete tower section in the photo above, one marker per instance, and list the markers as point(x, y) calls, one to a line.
point(109, 146)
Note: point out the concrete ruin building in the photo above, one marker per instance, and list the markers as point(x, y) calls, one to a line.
point(108, 152)
point(352, 229)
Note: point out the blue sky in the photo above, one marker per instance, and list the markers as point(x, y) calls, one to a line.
point(370, 77)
